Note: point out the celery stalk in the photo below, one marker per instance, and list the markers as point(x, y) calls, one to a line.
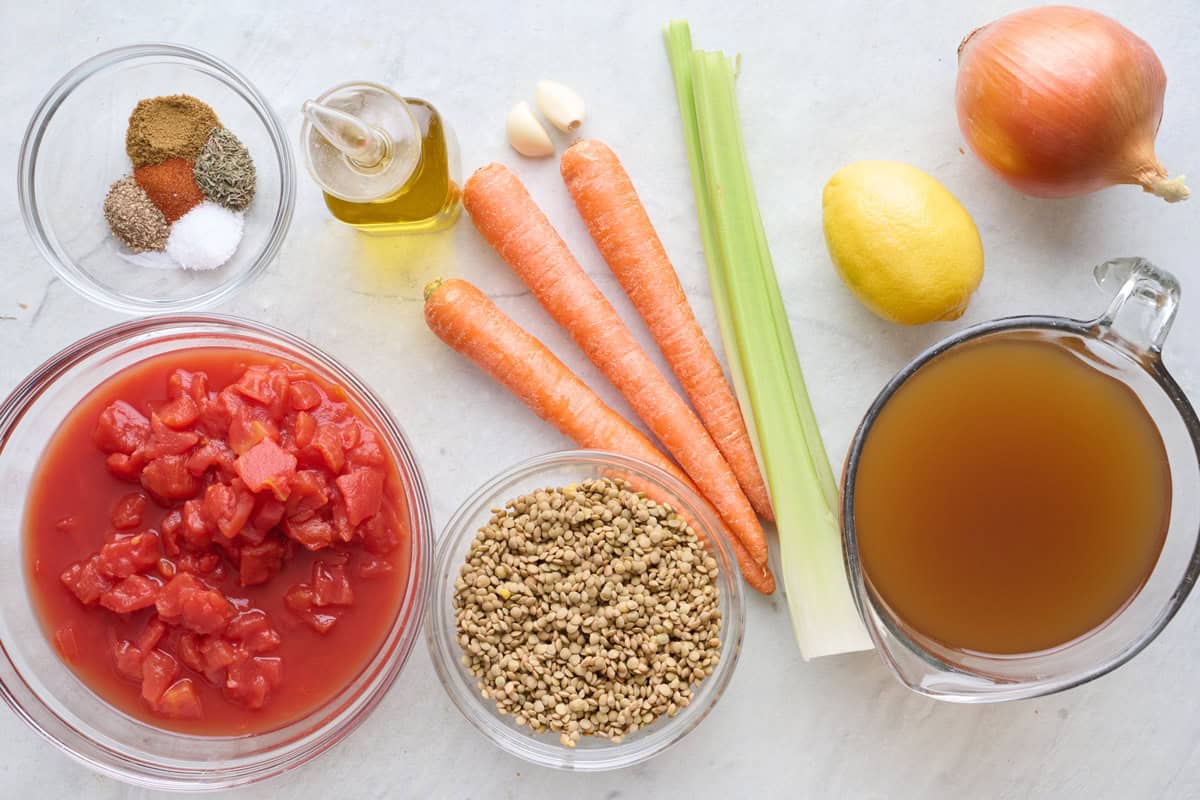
point(762, 355)
point(678, 38)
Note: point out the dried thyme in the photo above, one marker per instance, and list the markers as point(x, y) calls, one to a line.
point(225, 172)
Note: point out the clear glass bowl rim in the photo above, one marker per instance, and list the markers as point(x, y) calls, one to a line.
point(304, 747)
point(442, 638)
point(28, 161)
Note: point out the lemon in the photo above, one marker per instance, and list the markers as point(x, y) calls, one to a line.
point(902, 244)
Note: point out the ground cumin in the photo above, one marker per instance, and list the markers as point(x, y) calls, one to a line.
point(173, 126)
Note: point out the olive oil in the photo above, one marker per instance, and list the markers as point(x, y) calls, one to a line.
point(385, 163)
point(428, 201)
point(1011, 497)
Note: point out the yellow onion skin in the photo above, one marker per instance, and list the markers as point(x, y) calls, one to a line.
point(1061, 101)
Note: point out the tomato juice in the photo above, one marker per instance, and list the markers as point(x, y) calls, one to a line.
point(215, 541)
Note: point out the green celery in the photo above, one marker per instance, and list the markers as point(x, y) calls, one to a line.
point(762, 355)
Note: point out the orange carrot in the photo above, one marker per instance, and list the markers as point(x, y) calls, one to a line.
point(617, 220)
point(464, 318)
point(511, 222)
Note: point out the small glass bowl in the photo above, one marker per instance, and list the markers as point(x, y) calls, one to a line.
point(74, 149)
point(45, 693)
point(591, 754)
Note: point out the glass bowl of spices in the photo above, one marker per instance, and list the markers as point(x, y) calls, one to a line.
point(156, 178)
point(586, 611)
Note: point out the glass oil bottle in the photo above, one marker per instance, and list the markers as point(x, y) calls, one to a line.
point(385, 163)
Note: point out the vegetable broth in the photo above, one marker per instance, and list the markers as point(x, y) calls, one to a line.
point(1011, 497)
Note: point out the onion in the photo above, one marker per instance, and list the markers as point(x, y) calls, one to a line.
point(1061, 101)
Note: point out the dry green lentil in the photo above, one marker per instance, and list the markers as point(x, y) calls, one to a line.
point(588, 610)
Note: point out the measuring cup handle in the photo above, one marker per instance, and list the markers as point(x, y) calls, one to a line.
point(1140, 314)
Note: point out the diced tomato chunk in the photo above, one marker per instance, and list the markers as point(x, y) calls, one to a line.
point(328, 443)
point(267, 466)
point(180, 701)
point(66, 641)
point(227, 509)
point(126, 467)
point(254, 631)
point(127, 513)
point(251, 680)
point(127, 659)
point(181, 383)
point(331, 586)
point(258, 563)
point(121, 429)
point(187, 647)
point(255, 384)
point(125, 557)
point(379, 535)
point(304, 395)
point(351, 435)
point(179, 413)
point(362, 491)
point(198, 563)
point(314, 533)
point(245, 432)
point(151, 635)
point(133, 593)
point(216, 414)
point(172, 525)
point(303, 429)
point(267, 514)
point(210, 453)
point(218, 654)
point(372, 567)
point(167, 478)
point(368, 451)
point(301, 601)
point(310, 490)
point(195, 527)
point(164, 441)
point(86, 581)
point(189, 602)
point(342, 529)
point(159, 670)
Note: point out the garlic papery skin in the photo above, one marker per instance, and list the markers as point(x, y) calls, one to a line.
point(560, 104)
point(526, 134)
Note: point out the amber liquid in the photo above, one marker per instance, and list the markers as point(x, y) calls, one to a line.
point(428, 201)
point(1011, 497)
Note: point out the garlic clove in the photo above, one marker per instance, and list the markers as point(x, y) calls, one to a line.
point(526, 135)
point(560, 104)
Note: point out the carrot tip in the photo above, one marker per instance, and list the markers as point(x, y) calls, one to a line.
point(432, 287)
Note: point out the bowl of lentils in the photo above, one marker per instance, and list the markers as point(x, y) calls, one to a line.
point(586, 611)
point(156, 178)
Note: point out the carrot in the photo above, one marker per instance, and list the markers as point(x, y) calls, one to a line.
point(464, 318)
point(511, 222)
point(622, 231)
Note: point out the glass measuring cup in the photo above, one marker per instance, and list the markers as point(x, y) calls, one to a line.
point(1126, 343)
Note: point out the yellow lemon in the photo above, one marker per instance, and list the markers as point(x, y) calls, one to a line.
point(904, 246)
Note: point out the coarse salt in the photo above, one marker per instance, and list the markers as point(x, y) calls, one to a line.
point(205, 237)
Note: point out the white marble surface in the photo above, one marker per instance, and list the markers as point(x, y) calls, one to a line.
point(822, 84)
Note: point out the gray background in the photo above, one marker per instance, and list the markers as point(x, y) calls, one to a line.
point(822, 84)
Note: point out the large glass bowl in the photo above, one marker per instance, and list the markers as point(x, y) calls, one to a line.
point(591, 753)
point(74, 149)
point(47, 694)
